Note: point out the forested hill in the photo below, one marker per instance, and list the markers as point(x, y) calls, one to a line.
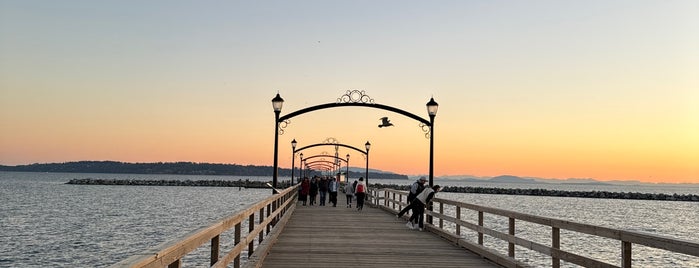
point(182, 168)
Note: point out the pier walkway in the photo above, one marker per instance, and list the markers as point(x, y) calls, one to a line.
point(327, 236)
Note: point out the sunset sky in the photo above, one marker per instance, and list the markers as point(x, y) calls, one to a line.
point(607, 90)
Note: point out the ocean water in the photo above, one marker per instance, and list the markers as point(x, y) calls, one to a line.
point(46, 223)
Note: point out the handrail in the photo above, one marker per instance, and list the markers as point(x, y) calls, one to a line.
point(393, 201)
point(269, 212)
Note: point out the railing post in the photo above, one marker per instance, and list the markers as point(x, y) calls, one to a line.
point(236, 241)
point(625, 254)
point(251, 227)
point(269, 212)
point(441, 212)
point(511, 245)
point(555, 243)
point(458, 216)
point(215, 245)
point(480, 223)
point(175, 264)
point(262, 218)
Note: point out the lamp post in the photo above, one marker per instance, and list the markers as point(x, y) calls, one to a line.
point(300, 167)
point(277, 103)
point(367, 145)
point(293, 157)
point(347, 170)
point(432, 112)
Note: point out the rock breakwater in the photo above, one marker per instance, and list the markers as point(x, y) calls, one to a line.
point(199, 183)
point(559, 193)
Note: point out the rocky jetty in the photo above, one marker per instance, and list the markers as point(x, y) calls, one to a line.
point(199, 183)
point(559, 193)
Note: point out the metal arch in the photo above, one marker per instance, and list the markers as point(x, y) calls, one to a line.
point(370, 105)
point(333, 144)
point(326, 155)
point(321, 161)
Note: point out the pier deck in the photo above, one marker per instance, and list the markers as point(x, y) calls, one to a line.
point(327, 236)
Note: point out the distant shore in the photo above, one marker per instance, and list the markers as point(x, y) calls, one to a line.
point(453, 189)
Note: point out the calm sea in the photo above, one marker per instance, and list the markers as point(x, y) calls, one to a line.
point(46, 223)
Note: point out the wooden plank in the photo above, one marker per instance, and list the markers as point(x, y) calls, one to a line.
point(326, 236)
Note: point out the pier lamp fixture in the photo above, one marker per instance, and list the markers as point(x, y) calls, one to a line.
point(347, 170)
point(277, 103)
point(367, 145)
point(300, 167)
point(432, 107)
point(293, 157)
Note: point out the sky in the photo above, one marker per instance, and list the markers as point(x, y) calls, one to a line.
point(606, 90)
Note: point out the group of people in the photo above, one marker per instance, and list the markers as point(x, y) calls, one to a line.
point(329, 186)
point(418, 198)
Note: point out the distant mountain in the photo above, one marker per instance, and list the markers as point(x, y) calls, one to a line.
point(183, 168)
point(511, 179)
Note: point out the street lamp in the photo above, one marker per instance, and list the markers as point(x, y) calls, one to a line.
point(432, 107)
point(277, 103)
point(293, 157)
point(300, 167)
point(367, 145)
point(347, 170)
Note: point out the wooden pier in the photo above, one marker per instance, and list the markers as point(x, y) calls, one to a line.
point(280, 232)
point(327, 236)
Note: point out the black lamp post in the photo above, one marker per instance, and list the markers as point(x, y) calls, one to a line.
point(277, 103)
point(367, 145)
point(301, 167)
point(293, 157)
point(347, 170)
point(432, 112)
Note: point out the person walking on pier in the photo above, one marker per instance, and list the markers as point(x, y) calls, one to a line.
point(415, 189)
point(304, 189)
point(418, 205)
point(349, 193)
point(314, 189)
point(323, 190)
point(333, 187)
point(360, 192)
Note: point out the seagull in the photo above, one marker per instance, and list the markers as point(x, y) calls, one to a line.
point(385, 122)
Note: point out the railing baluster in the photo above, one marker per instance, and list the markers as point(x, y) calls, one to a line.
point(175, 264)
point(625, 254)
point(251, 227)
point(480, 223)
point(441, 212)
point(261, 236)
point(236, 241)
point(215, 245)
point(511, 245)
point(458, 216)
point(556, 243)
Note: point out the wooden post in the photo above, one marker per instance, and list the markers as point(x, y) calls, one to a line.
point(511, 245)
point(441, 212)
point(625, 254)
point(269, 212)
point(175, 264)
point(480, 223)
point(458, 216)
point(251, 227)
point(555, 243)
point(236, 241)
point(215, 245)
point(261, 236)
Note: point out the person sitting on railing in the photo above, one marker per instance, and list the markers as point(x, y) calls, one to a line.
point(418, 206)
point(415, 189)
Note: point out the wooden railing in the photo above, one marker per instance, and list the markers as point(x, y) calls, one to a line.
point(272, 214)
point(393, 201)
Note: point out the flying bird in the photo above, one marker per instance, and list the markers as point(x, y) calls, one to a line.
point(385, 122)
